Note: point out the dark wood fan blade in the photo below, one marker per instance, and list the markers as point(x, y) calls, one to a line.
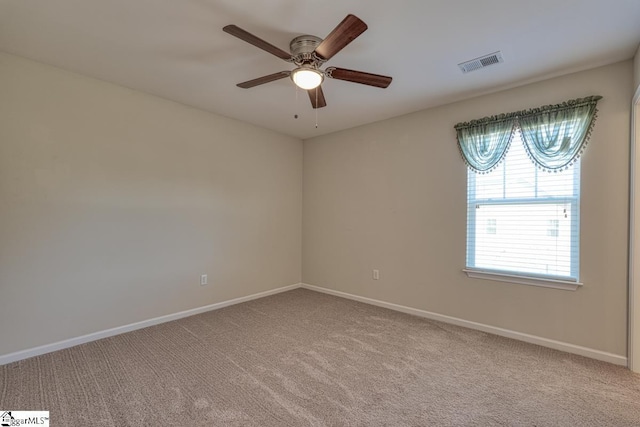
point(317, 101)
point(358, 77)
point(264, 79)
point(346, 31)
point(256, 41)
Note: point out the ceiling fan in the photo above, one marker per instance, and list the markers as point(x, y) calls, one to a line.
point(309, 53)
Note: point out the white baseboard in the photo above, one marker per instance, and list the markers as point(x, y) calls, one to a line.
point(48, 348)
point(545, 342)
point(532, 339)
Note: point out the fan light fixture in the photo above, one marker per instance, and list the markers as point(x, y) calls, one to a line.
point(307, 78)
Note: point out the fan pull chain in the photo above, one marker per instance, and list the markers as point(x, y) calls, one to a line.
point(295, 115)
point(316, 108)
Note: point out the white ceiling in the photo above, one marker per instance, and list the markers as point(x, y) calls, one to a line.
point(176, 49)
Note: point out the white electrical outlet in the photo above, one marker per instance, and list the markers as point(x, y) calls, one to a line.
point(376, 274)
point(203, 279)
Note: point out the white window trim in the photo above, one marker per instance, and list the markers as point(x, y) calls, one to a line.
point(565, 285)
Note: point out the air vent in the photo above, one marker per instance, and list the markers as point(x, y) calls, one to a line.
point(482, 62)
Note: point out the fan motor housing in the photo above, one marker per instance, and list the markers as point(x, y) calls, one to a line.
point(302, 51)
point(304, 44)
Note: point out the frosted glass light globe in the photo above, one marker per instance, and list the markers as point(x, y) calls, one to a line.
point(307, 78)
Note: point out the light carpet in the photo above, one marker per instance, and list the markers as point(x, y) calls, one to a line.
point(304, 358)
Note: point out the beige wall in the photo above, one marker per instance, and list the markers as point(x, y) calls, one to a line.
point(391, 196)
point(113, 202)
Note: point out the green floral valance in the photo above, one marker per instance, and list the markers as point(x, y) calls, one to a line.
point(554, 135)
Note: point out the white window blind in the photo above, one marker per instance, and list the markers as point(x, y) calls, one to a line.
point(522, 220)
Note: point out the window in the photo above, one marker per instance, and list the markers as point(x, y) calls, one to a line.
point(523, 193)
point(523, 221)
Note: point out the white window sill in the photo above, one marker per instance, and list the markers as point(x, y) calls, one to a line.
point(565, 285)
